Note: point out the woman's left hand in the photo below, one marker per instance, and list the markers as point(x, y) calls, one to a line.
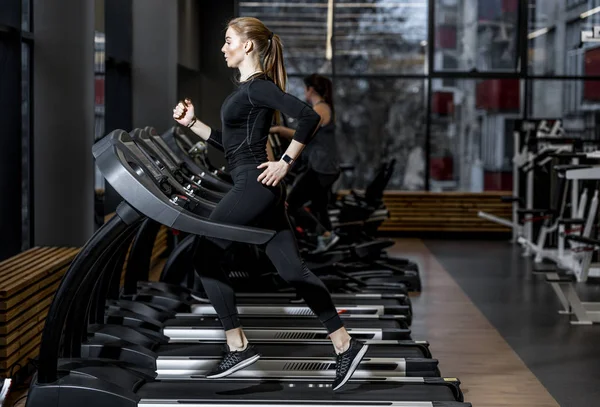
point(274, 173)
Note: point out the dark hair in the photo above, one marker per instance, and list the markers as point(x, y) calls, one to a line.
point(322, 86)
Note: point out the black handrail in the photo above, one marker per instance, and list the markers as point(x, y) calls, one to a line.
point(81, 267)
point(95, 291)
point(147, 143)
point(140, 256)
point(107, 291)
point(190, 166)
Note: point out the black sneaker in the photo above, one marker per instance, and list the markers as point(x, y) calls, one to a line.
point(234, 361)
point(347, 362)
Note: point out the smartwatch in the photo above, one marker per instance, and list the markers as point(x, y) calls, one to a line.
point(289, 160)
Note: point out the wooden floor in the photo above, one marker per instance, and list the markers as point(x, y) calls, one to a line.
point(465, 343)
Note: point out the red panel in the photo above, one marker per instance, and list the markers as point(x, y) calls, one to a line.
point(99, 90)
point(445, 37)
point(510, 6)
point(497, 181)
point(441, 168)
point(442, 103)
point(498, 95)
point(591, 89)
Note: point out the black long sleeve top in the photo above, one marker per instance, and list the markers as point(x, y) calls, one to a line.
point(247, 115)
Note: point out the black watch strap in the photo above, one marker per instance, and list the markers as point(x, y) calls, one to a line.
point(289, 160)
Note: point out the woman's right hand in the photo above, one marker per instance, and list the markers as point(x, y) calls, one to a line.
point(184, 112)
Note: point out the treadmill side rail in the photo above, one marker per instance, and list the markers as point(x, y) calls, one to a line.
point(76, 389)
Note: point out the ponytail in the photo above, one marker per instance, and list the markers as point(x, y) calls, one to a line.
point(274, 66)
point(273, 62)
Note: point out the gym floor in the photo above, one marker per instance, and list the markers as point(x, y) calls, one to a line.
point(494, 324)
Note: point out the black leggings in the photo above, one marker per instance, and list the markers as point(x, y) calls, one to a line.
point(251, 203)
point(316, 188)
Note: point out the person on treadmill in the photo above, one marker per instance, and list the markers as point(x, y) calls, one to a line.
point(320, 161)
point(257, 197)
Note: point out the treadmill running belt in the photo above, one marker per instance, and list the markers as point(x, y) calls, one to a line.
point(302, 350)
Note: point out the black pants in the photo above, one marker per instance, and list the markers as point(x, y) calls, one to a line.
point(316, 188)
point(251, 203)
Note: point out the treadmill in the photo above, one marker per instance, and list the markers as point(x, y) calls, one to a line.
point(159, 152)
point(193, 327)
point(396, 351)
point(347, 299)
point(101, 382)
point(191, 168)
point(154, 352)
point(383, 359)
point(178, 270)
point(164, 295)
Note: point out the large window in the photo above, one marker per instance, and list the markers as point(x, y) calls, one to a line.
point(439, 84)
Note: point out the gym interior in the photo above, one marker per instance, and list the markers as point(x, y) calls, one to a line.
point(464, 211)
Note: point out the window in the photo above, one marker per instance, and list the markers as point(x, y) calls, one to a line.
point(378, 120)
point(380, 37)
point(482, 38)
point(471, 127)
point(576, 102)
point(301, 26)
point(479, 88)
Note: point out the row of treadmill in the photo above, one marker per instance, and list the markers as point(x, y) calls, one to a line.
point(114, 338)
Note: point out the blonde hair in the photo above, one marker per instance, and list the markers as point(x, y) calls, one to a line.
point(268, 45)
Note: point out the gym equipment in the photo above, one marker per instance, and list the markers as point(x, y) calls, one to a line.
point(160, 179)
point(576, 263)
point(101, 382)
point(577, 258)
point(356, 216)
point(191, 327)
point(387, 359)
point(533, 141)
point(180, 143)
point(564, 286)
point(160, 157)
point(361, 274)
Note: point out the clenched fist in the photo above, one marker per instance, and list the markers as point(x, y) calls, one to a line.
point(184, 112)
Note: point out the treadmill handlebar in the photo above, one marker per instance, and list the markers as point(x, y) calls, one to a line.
point(131, 179)
point(168, 141)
